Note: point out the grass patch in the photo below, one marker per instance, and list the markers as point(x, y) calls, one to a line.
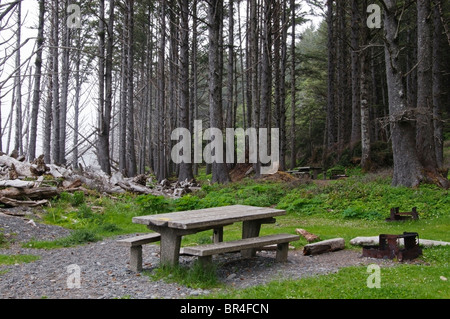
point(404, 281)
point(17, 259)
point(78, 237)
point(196, 276)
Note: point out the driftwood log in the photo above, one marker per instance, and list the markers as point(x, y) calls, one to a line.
point(30, 193)
point(308, 236)
point(324, 246)
point(40, 187)
point(20, 203)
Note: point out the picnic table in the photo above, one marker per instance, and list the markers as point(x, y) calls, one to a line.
point(171, 227)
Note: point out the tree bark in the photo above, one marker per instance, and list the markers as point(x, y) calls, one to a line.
point(215, 17)
point(407, 168)
point(65, 71)
point(356, 107)
point(438, 85)
point(102, 157)
point(364, 102)
point(37, 83)
point(18, 146)
point(56, 105)
point(131, 152)
point(161, 106)
point(293, 89)
point(424, 117)
point(185, 168)
point(266, 77)
point(331, 122)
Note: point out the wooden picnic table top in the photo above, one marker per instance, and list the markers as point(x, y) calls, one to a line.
point(208, 217)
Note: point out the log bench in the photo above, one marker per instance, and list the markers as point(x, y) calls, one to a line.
point(205, 252)
point(135, 244)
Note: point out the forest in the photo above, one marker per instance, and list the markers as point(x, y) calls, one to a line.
point(105, 83)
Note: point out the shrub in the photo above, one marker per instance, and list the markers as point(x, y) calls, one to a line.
point(151, 204)
point(77, 198)
point(187, 202)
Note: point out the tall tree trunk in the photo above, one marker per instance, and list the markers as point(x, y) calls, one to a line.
point(215, 17)
point(56, 106)
point(101, 85)
point(283, 67)
point(124, 99)
point(293, 88)
point(18, 146)
point(356, 108)
point(364, 100)
point(37, 83)
point(65, 70)
point(266, 77)
point(47, 127)
point(407, 167)
point(331, 122)
point(194, 74)
point(131, 152)
point(424, 117)
point(365, 108)
point(425, 139)
point(254, 54)
point(230, 67)
point(438, 85)
point(161, 107)
point(185, 167)
point(105, 87)
point(172, 97)
point(77, 102)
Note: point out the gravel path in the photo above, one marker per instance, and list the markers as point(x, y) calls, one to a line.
point(105, 274)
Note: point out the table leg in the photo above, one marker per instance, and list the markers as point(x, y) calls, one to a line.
point(170, 247)
point(250, 228)
point(218, 235)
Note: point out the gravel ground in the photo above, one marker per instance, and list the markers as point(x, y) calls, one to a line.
point(105, 274)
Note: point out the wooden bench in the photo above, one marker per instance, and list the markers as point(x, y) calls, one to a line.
point(205, 252)
point(135, 244)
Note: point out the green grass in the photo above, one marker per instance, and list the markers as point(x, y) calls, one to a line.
point(195, 276)
point(17, 259)
point(427, 280)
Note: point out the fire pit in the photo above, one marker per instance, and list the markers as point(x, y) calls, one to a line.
point(389, 247)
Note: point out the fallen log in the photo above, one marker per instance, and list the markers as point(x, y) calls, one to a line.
point(308, 236)
point(20, 203)
point(324, 246)
point(16, 183)
point(374, 240)
point(30, 193)
point(21, 168)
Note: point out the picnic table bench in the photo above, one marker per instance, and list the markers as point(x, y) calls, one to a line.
point(171, 227)
point(135, 244)
point(205, 252)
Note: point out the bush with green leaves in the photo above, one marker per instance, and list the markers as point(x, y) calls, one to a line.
point(151, 204)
